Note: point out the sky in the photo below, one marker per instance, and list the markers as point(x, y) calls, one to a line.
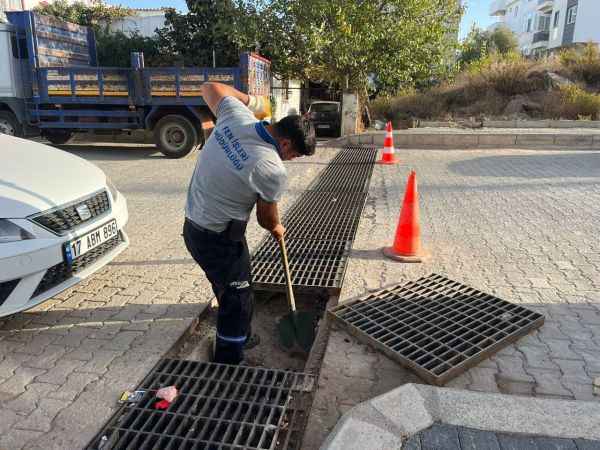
point(477, 10)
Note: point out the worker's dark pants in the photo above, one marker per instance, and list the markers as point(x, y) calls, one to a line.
point(226, 264)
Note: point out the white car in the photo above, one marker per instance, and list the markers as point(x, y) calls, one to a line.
point(61, 219)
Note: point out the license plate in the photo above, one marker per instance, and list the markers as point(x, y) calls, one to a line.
point(89, 241)
point(322, 126)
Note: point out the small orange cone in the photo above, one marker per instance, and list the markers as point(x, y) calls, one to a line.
point(388, 156)
point(407, 243)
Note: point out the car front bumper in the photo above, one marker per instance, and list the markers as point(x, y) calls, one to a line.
point(32, 271)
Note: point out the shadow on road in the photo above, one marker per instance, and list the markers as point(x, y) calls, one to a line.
point(545, 165)
point(124, 152)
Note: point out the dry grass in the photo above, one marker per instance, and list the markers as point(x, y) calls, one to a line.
point(583, 64)
point(486, 87)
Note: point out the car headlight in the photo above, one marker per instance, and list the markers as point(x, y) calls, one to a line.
point(9, 232)
point(113, 189)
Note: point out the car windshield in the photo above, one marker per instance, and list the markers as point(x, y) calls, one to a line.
point(324, 107)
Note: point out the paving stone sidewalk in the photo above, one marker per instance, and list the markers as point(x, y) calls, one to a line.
point(520, 224)
point(64, 363)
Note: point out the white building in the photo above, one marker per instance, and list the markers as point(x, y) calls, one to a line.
point(543, 25)
point(144, 21)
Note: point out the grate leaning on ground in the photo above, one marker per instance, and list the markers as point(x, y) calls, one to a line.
point(218, 407)
point(436, 326)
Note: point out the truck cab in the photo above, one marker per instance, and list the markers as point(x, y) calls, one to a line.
point(12, 95)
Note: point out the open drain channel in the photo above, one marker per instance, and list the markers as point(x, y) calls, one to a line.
point(321, 226)
point(218, 407)
point(242, 407)
point(436, 326)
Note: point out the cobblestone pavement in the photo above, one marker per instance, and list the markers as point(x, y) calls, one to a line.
point(64, 363)
point(522, 225)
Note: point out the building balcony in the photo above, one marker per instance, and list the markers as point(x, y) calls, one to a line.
point(498, 8)
point(540, 37)
point(545, 6)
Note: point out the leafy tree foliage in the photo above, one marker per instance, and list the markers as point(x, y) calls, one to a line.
point(114, 48)
point(209, 26)
point(98, 15)
point(479, 44)
point(349, 42)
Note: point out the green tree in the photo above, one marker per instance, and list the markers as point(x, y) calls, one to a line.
point(479, 44)
point(98, 15)
point(209, 26)
point(115, 48)
point(348, 42)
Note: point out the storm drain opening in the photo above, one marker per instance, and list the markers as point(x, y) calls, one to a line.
point(266, 404)
point(435, 326)
point(218, 407)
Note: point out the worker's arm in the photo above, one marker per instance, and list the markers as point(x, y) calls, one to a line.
point(268, 218)
point(213, 93)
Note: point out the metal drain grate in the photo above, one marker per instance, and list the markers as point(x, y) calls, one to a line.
point(325, 216)
point(218, 407)
point(436, 326)
point(321, 226)
point(355, 155)
point(314, 265)
point(343, 178)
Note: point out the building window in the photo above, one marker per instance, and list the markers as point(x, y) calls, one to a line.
point(556, 18)
point(529, 24)
point(516, 10)
point(571, 15)
point(543, 23)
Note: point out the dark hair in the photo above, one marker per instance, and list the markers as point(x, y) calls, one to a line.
point(300, 131)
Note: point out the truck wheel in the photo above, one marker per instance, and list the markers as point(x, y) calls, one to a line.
point(9, 124)
point(175, 136)
point(57, 137)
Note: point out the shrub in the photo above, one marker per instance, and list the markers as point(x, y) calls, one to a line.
point(578, 103)
point(506, 74)
point(410, 104)
point(583, 64)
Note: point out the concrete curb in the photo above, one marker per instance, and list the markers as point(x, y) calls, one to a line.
point(386, 421)
point(466, 139)
point(563, 124)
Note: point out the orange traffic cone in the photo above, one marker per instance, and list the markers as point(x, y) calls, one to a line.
point(388, 146)
point(407, 243)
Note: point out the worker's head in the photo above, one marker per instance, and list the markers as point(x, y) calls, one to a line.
point(295, 136)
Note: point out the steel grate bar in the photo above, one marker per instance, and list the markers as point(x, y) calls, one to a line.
point(436, 326)
point(325, 216)
point(343, 178)
point(355, 155)
point(313, 264)
point(218, 406)
point(321, 227)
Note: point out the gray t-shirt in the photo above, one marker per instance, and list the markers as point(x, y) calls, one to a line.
point(238, 163)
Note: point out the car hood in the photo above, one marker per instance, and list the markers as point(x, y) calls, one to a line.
point(36, 177)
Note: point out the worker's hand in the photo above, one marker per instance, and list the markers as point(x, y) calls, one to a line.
point(260, 105)
point(278, 232)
